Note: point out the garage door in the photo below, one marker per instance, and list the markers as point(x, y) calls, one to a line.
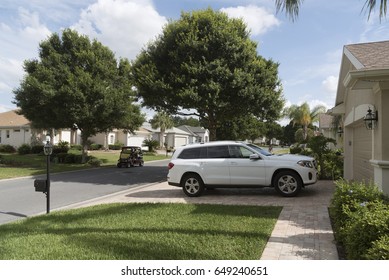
point(180, 141)
point(363, 170)
point(135, 141)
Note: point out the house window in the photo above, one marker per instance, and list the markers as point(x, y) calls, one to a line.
point(111, 139)
point(7, 133)
point(16, 130)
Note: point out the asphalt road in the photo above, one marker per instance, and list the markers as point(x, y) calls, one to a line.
point(18, 198)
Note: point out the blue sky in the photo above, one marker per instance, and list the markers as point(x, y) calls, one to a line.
point(308, 50)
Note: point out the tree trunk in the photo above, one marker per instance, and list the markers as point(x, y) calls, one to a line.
point(161, 135)
point(84, 144)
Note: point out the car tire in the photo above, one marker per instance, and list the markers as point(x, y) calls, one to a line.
point(287, 183)
point(192, 185)
point(119, 165)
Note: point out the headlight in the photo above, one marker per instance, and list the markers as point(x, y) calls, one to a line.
point(305, 163)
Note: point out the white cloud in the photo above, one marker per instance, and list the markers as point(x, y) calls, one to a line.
point(258, 20)
point(330, 84)
point(18, 44)
point(124, 26)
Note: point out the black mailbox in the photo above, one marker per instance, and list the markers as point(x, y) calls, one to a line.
point(40, 185)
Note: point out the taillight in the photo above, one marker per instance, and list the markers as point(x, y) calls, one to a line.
point(170, 165)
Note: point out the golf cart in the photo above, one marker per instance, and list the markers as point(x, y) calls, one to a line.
point(130, 156)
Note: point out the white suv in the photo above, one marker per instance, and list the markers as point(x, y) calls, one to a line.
point(236, 164)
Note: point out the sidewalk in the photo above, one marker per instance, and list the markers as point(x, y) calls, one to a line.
point(303, 230)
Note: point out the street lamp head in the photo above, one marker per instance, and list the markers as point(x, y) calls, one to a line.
point(47, 148)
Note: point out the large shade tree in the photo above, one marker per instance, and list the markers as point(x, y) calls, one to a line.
point(205, 64)
point(303, 115)
point(77, 83)
point(292, 7)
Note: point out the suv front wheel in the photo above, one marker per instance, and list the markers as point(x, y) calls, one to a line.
point(192, 185)
point(287, 183)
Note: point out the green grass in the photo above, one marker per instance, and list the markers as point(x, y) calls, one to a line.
point(28, 165)
point(142, 231)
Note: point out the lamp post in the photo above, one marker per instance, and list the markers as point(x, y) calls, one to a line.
point(48, 149)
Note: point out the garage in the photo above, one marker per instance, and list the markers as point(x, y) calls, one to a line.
point(180, 141)
point(135, 141)
point(363, 170)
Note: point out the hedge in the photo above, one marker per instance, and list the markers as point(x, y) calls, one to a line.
point(360, 215)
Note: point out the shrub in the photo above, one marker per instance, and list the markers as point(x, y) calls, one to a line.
point(379, 250)
point(7, 149)
point(115, 147)
point(76, 147)
point(347, 199)
point(61, 157)
point(94, 162)
point(60, 150)
point(366, 225)
point(37, 149)
point(95, 147)
point(360, 216)
point(24, 149)
point(70, 158)
point(64, 145)
point(151, 144)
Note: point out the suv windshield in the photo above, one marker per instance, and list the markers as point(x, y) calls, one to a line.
point(259, 150)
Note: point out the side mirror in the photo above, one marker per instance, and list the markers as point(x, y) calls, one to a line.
point(255, 157)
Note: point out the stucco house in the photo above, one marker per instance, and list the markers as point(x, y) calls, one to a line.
point(16, 130)
point(197, 134)
point(327, 129)
point(362, 95)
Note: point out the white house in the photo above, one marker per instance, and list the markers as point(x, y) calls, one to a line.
point(15, 129)
point(197, 134)
point(362, 95)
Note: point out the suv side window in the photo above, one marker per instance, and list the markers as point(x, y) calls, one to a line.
point(190, 153)
point(240, 152)
point(218, 152)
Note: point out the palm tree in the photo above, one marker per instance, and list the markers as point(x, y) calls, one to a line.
point(291, 7)
point(304, 116)
point(162, 121)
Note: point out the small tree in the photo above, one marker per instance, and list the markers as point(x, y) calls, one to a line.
point(162, 121)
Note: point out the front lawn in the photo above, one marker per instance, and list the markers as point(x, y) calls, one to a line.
point(142, 231)
point(15, 165)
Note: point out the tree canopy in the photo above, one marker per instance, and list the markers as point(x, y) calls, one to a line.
point(205, 64)
point(304, 116)
point(292, 7)
point(78, 83)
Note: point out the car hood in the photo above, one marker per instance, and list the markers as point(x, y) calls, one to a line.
point(290, 157)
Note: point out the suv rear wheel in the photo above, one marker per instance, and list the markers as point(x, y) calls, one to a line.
point(192, 185)
point(287, 183)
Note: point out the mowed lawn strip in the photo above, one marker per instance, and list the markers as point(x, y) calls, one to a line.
point(15, 165)
point(142, 231)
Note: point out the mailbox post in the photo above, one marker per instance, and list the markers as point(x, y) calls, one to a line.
point(48, 149)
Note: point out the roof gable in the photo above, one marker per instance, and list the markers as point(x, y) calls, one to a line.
point(373, 55)
point(13, 119)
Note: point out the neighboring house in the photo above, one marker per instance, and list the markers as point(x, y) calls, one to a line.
point(16, 130)
point(197, 134)
point(172, 138)
point(326, 128)
point(363, 85)
point(134, 139)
